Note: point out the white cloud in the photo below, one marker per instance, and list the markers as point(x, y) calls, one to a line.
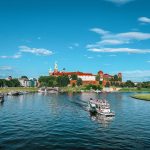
point(119, 2)
point(106, 42)
point(99, 31)
point(133, 36)
point(144, 19)
point(120, 50)
point(16, 56)
point(119, 38)
point(36, 51)
point(5, 68)
point(136, 75)
point(111, 42)
point(109, 39)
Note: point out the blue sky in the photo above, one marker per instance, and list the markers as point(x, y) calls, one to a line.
point(88, 36)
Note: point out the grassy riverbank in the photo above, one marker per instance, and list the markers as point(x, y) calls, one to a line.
point(27, 89)
point(71, 89)
point(142, 97)
point(134, 90)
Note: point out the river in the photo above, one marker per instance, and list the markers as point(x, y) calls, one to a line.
point(61, 122)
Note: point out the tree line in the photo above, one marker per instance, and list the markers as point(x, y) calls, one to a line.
point(60, 81)
point(9, 83)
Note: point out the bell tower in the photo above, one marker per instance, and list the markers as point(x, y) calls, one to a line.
point(55, 68)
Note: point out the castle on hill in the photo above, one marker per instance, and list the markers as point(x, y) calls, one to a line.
point(87, 78)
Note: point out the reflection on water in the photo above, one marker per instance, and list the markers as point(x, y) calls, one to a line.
point(1, 104)
point(60, 121)
point(103, 120)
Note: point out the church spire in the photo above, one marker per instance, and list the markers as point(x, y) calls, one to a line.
point(55, 67)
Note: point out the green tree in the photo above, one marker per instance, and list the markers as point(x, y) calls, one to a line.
point(73, 85)
point(107, 84)
point(63, 80)
point(74, 77)
point(129, 83)
point(15, 83)
point(100, 82)
point(98, 77)
point(94, 87)
point(115, 78)
point(49, 81)
point(24, 77)
point(79, 81)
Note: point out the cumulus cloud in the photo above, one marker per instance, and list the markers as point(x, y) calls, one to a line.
point(120, 38)
point(99, 31)
point(36, 51)
point(119, 50)
point(114, 39)
point(107, 42)
point(133, 36)
point(16, 56)
point(144, 19)
point(119, 2)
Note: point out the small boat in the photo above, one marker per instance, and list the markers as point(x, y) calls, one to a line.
point(49, 90)
point(14, 93)
point(97, 91)
point(42, 90)
point(92, 108)
point(52, 90)
point(1, 98)
point(100, 107)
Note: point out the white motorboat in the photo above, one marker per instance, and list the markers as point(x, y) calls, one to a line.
point(101, 107)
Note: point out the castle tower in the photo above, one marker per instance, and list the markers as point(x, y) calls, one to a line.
point(101, 74)
point(120, 75)
point(55, 68)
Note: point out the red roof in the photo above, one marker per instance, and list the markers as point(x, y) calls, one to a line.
point(107, 76)
point(71, 73)
point(100, 72)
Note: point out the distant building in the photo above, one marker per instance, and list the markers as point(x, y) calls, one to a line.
point(25, 82)
point(107, 78)
point(9, 78)
point(87, 78)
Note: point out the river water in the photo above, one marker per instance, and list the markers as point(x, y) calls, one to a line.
point(60, 121)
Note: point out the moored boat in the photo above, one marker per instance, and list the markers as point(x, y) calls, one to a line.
point(49, 90)
point(1, 98)
point(14, 93)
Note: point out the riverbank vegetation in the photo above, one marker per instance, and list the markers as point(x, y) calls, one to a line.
point(22, 89)
point(135, 89)
point(77, 89)
point(9, 83)
point(142, 97)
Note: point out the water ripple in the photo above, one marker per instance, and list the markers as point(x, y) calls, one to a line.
point(61, 122)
